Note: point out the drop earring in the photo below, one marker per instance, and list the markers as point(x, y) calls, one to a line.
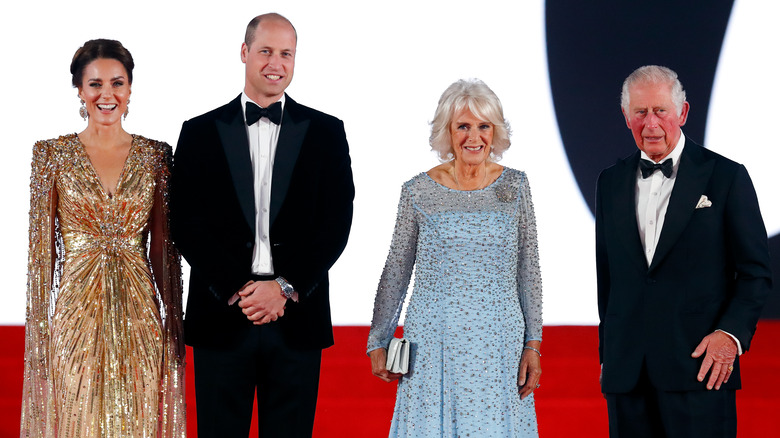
point(127, 109)
point(83, 110)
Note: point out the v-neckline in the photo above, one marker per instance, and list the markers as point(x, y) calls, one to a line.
point(95, 173)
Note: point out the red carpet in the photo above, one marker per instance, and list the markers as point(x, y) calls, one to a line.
point(353, 403)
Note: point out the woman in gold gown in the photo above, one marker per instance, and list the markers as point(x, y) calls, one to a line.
point(104, 355)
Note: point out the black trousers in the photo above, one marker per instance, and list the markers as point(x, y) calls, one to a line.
point(286, 381)
point(647, 412)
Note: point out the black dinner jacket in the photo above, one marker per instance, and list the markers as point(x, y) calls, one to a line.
point(213, 219)
point(711, 270)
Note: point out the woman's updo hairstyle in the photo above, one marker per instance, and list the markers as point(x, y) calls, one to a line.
point(100, 49)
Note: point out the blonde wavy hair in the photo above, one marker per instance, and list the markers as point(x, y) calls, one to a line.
point(482, 102)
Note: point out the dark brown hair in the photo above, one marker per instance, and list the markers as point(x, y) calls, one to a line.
point(100, 49)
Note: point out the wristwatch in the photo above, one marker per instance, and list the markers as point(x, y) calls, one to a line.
point(287, 289)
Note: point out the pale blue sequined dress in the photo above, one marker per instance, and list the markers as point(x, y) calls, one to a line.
point(477, 298)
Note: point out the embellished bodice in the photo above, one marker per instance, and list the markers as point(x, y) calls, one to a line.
point(90, 219)
point(466, 239)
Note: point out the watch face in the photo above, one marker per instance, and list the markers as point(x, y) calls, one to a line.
point(287, 289)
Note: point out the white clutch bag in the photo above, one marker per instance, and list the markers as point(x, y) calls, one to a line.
point(398, 356)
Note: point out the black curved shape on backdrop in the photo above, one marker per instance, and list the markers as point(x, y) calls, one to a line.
point(593, 46)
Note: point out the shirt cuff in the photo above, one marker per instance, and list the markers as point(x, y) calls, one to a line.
point(739, 345)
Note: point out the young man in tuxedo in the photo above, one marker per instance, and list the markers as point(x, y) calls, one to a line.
point(261, 208)
point(683, 272)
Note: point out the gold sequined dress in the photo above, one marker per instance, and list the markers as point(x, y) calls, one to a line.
point(104, 355)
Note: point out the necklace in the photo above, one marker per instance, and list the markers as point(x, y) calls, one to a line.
point(455, 177)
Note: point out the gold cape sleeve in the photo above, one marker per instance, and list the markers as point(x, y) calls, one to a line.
point(38, 413)
point(173, 419)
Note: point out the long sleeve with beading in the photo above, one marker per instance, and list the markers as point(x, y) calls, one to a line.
point(37, 395)
point(529, 275)
point(173, 419)
point(394, 282)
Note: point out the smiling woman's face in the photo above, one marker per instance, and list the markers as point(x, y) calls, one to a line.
point(472, 138)
point(105, 89)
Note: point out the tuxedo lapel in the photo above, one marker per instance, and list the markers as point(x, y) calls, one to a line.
point(232, 135)
point(692, 177)
point(624, 204)
point(294, 127)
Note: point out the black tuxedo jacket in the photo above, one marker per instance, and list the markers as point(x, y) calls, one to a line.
point(213, 219)
point(711, 270)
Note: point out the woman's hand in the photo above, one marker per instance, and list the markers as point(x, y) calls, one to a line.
point(530, 370)
point(379, 363)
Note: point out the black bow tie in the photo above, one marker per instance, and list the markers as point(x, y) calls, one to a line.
point(648, 167)
point(255, 113)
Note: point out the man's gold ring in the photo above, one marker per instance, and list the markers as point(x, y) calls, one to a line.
point(731, 368)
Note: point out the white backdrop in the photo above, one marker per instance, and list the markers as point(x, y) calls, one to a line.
point(381, 70)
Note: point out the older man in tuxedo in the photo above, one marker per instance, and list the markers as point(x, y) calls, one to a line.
point(261, 209)
point(683, 272)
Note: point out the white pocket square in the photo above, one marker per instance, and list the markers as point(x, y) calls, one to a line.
point(704, 202)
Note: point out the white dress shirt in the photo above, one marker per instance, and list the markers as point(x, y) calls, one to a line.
point(263, 136)
point(652, 201)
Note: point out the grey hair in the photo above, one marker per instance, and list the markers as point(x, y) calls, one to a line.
point(654, 74)
point(482, 102)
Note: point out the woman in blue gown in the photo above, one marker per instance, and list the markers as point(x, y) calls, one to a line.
point(467, 230)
